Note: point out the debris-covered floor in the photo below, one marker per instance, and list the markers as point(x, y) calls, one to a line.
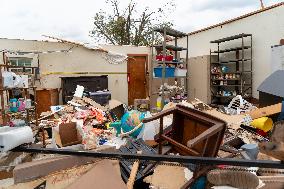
point(239, 131)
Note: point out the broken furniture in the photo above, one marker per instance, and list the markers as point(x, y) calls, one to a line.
point(90, 84)
point(46, 98)
point(271, 90)
point(231, 76)
point(167, 64)
point(192, 133)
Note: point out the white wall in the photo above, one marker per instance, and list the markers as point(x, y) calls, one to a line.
point(80, 59)
point(127, 49)
point(267, 28)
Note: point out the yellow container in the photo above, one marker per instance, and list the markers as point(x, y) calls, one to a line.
point(263, 123)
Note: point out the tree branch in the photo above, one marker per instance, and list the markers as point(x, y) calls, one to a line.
point(102, 32)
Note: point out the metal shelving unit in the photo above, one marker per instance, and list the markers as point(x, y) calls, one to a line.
point(241, 81)
point(163, 47)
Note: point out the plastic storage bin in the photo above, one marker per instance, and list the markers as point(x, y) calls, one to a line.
point(180, 72)
point(101, 97)
point(170, 72)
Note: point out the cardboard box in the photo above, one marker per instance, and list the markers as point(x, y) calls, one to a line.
point(68, 135)
point(102, 176)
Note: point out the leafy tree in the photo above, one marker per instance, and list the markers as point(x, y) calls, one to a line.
point(128, 26)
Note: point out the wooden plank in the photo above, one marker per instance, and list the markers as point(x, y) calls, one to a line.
point(36, 169)
point(266, 111)
point(57, 180)
point(133, 173)
point(233, 121)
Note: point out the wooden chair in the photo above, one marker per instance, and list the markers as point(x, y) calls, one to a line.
point(192, 133)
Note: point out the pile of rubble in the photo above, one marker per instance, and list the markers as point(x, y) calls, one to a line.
point(83, 124)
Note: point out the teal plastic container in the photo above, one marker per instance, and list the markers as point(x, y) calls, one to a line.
point(14, 105)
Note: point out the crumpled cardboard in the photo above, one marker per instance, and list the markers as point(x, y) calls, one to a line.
point(102, 176)
point(67, 135)
point(169, 177)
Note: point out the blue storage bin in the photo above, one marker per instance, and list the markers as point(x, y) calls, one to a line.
point(170, 72)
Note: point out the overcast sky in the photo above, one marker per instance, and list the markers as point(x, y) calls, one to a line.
point(72, 19)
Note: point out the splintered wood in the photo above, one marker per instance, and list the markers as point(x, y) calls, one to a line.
point(266, 111)
point(58, 180)
point(133, 173)
point(233, 121)
point(65, 178)
point(93, 103)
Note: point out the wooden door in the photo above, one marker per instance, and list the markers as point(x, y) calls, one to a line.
point(136, 70)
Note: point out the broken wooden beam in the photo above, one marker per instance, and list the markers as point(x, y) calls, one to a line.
point(266, 111)
point(36, 169)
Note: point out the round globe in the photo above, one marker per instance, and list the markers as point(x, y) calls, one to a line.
point(130, 120)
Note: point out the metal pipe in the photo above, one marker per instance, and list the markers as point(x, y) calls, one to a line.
point(151, 70)
point(164, 69)
point(187, 67)
point(251, 64)
point(157, 158)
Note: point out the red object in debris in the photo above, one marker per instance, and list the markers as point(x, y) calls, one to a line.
point(169, 58)
point(222, 166)
point(261, 132)
point(159, 57)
